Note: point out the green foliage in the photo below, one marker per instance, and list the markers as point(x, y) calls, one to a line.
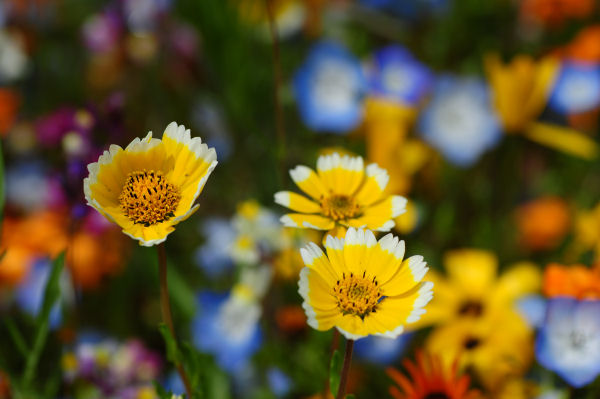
point(335, 370)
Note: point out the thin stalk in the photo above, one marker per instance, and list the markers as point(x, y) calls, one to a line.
point(165, 306)
point(279, 118)
point(345, 369)
point(335, 340)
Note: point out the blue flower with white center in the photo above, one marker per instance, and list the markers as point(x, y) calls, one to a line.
point(30, 293)
point(396, 75)
point(381, 350)
point(329, 88)
point(227, 327)
point(577, 88)
point(460, 121)
point(214, 256)
point(569, 341)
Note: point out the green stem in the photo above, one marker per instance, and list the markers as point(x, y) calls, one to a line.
point(165, 306)
point(36, 351)
point(345, 369)
point(279, 118)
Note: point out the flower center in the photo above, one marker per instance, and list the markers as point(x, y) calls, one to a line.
point(339, 207)
point(471, 308)
point(471, 343)
point(357, 295)
point(148, 198)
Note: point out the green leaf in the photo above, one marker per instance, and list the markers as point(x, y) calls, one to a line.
point(173, 353)
point(335, 369)
point(180, 293)
point(51, 295)
point(17, 337)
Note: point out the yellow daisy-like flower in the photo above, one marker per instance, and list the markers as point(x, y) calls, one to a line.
point(363, 286)
point(344, 193)
point(152, 184)
point(472, 288)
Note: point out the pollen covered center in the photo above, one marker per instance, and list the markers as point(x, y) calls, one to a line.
point(148, 198)
point(339, 207)
point(357, 295)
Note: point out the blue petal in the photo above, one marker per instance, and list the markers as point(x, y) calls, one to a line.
point(577, 88)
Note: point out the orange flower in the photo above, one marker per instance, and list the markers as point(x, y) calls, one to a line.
point(555, 12)
point(9, 105)
point(41, 234)
point(542, 223)
point(585, 46)
point(290, 318)
point(575, 281)
point(91, 257)
point(429, 378)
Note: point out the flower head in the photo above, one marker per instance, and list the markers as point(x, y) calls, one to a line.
point(459, 121)
point(577, 88)
point(575, 281)
point(429, 378)
point(329, 88)
point(343, 193)
point(494, 354)
point(543, 223)
point(569, 340)
point(472, 289)
point(520, 88)
point(150, 186)
point(396, 75)
point(363, 286)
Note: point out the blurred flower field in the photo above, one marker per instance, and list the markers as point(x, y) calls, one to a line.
point(299, 199)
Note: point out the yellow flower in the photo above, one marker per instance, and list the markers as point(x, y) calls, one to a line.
point(520, 88)
point(151, 185)
point(386, 128)
point(472, 290)
point(587, 233)
point(497, 348)
point(362, 286)
point(344, 193)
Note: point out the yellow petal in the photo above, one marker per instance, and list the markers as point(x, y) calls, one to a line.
point(340, 175)
point(563, 139)
point(308, 181)
point(358, 246)
point(408, 275)
point(296, 202)
point(316, 260)
point(375, 182)
point(522, 279)
point(308, 221)
point(380, 216)
point(472, 271)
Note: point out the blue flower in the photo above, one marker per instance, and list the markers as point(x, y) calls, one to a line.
point(279, 382)
point(409, 8)
point(381, 350)
point(569, 341)
point(577, 88)
point(214, 256)
point(30, 293)
point(329, 87)
point(459, 121)
point(227, 327)
point(398, 76)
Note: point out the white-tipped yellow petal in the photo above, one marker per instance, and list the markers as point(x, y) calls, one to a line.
point(296, 202)
point(308, 181)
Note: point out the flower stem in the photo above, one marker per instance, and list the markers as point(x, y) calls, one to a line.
point(165, 306)
point(279, 118)
point(345, 369)
point(335, 339)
